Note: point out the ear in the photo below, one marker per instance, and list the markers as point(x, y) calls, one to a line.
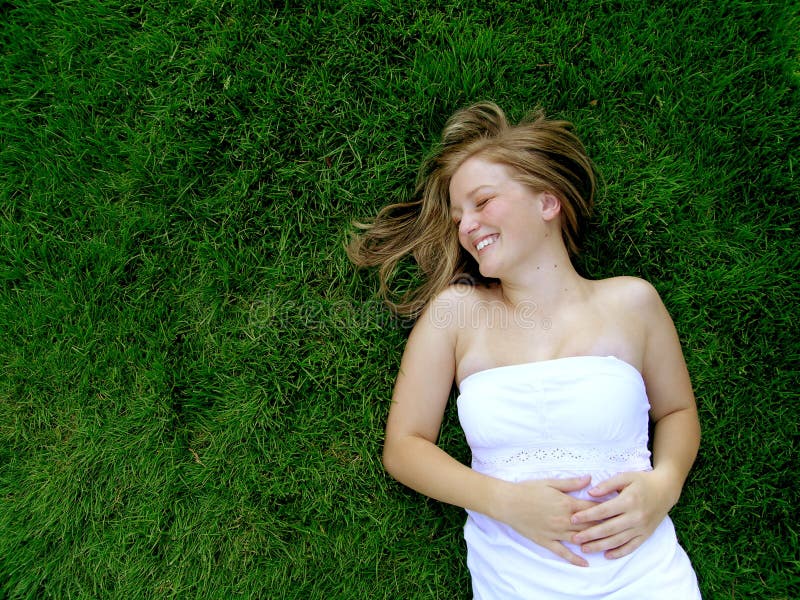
point(551, 206)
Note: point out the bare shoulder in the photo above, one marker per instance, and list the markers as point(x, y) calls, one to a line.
point(444, 309)
point(631, 294)
point(463, 293)
point(454, 293)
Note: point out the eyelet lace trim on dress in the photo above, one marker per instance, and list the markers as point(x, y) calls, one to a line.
point(560, 456)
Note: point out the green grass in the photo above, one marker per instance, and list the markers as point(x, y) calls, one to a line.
point(193, 379)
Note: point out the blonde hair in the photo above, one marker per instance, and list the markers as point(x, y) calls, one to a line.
point(544, 154)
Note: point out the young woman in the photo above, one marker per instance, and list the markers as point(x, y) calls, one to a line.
point(558, 375)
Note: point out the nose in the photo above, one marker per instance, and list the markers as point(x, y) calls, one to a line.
point(468, 224)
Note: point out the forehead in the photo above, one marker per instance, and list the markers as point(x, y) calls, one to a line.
point(473, 175)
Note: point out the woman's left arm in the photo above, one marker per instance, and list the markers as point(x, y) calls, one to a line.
point(645, 498)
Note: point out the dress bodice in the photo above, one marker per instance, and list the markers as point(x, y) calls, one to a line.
point(581, 412)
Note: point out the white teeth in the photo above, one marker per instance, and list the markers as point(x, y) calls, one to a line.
point(485, 242)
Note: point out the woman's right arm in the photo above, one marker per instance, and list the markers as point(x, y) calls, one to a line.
point(421, 390)
point(540, 510)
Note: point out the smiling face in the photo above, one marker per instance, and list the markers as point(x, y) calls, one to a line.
point(501, 222)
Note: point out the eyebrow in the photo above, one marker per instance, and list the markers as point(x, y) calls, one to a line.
point(474, 191)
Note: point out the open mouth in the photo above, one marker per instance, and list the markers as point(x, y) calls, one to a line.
point(487, 241)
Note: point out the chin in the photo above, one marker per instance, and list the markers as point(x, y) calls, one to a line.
point(487, 272)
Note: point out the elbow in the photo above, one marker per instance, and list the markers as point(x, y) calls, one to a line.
point(403, 456)
point(398, 456)
point(389, 459)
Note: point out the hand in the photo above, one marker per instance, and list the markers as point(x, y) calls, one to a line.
point(540, 510)
point(624, 522)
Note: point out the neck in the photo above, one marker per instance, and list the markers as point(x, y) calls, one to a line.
point(546, 280)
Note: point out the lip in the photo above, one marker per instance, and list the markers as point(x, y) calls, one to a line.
point(480, 239)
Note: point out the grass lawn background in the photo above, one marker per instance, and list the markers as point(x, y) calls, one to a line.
point(193, 379)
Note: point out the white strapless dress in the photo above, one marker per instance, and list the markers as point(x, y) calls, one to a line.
point(563, 418)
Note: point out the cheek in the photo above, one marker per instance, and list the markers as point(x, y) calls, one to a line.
point(514, 212)
point(463, 241)
point(495, 211)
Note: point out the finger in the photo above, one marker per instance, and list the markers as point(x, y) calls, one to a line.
point(571, 530)
point(580, 507)
point(583, 505)
point(600, 511)
point(612, 484)
point(564, 552)
point(625, 549)
point(603, 530)
point(571, 484)
point(610, 543)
